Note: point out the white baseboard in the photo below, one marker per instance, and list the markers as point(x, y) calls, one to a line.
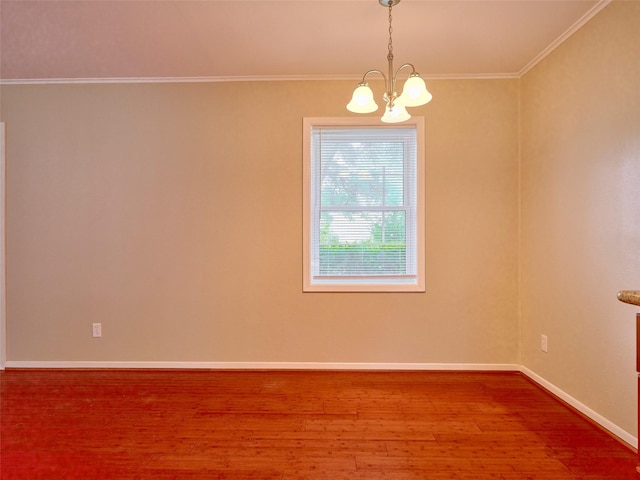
point(507, 367)
point(265, 365)
point(582, 408)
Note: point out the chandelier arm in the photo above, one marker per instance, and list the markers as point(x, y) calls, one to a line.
point(374, 71)
point(364, 77)
point(392, 94)
point(413, 70)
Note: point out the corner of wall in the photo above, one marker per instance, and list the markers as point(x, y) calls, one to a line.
point(519, 247)
point(3, 333)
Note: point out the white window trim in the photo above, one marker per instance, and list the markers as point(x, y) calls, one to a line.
point(415, 286)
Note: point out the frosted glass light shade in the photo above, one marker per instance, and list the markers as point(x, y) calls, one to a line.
point(396, 114)
point(362, 100)
point(414, 92)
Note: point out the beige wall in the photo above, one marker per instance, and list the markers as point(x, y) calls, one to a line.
point(581, 213)
point(171, 213)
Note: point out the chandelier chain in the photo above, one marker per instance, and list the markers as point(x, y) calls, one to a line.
point(390, 30)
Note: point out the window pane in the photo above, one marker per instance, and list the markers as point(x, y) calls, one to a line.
point(362, 243)
point(362, 173)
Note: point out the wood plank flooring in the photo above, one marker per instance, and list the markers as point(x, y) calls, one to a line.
point(288, 425)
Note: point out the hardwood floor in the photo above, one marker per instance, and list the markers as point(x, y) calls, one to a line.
point(268, 425)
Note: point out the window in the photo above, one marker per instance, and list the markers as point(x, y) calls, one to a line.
point(363, 205)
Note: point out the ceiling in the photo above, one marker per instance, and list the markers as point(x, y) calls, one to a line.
point(278, 39)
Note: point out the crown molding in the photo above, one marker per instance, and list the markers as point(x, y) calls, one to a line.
point(227, 79)
point(561, 39)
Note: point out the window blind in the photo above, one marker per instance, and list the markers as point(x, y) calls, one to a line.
point(363, 204)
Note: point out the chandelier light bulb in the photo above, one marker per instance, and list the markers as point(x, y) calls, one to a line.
point(395, 114)
point(362, 100)
point(415, 93)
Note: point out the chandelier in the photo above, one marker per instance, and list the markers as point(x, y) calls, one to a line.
point(414, 93)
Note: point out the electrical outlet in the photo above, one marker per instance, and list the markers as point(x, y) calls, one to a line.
point(544, 346)
point(97, 330)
